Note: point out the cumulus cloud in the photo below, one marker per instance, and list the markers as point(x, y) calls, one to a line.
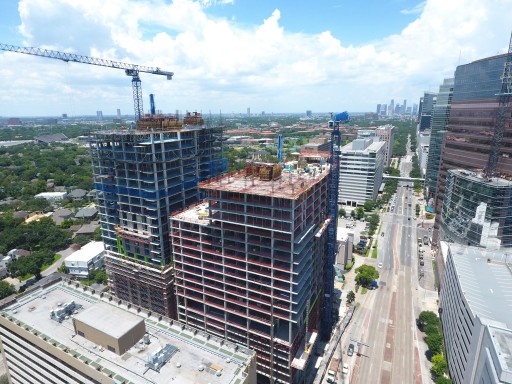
point(220, 64)
point(418, 8)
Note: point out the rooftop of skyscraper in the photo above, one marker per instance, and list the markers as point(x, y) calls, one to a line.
point(269, 179)
point(485, 278)
point(194, 356)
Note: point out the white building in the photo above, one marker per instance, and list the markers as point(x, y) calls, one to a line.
point(476, 312)
point(361, 169)
point(66, 333)
point(88, 258)
point(52, 196)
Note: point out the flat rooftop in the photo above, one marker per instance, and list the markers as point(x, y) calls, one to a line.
point(197, 361)
point(487, 285)
point(290, 185)
point(87, 252)
point(502, 340)
point(480, 178)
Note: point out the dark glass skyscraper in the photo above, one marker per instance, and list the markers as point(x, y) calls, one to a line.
point(471, 125)
point(440, 115)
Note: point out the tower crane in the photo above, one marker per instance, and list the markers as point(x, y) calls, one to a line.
point(132, 70)
point(332, 226)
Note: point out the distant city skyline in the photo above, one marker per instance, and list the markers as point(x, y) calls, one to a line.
point(228, 55)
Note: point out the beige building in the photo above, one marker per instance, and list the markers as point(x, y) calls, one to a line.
point(66, 333)
point(386, 133)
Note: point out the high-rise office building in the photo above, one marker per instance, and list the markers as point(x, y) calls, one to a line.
point(99, 115)
point(143, 175)
point(414, 110)
point(386, 133)
point(476, 210)
point(65, 333)
point(361, 170)
point(475, 309)
point(384, 110)
point(471, 125)
point(391, 107)
point(378, 109)
point(438, 127)
point(249, 264)
point(426, 108)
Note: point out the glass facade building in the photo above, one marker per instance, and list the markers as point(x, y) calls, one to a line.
point(477, 211)
point(471, 123)
point(438, 127)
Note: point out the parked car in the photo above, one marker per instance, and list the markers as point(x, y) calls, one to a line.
point(422, 263)
point(350, 350)
point(345, 370)
point(331, 376)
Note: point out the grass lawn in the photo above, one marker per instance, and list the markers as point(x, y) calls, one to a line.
point(364, 290)
point(374, 252)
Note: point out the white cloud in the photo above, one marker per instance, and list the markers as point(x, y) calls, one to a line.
point(417, 9)
point(220, 65)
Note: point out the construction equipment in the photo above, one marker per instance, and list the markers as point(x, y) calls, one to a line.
point(332, 226)
point(502, 113)
point(132, 70)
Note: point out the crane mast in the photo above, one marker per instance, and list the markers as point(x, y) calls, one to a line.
point(332, 226)
point(132, 70)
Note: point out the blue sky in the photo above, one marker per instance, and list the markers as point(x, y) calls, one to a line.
point(228, 55)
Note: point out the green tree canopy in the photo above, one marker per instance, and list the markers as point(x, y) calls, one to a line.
point(439, 364)
point(342, 212)
point(443, 380)
point(6, 289)
point(429, 317)
point(369, 205)
point(365, 274)
point(351, 296)
point(435, 343)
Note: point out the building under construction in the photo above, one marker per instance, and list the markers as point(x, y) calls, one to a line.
point(142, 176)
point(249, 263)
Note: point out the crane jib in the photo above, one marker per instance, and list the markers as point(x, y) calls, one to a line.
point(130, 69)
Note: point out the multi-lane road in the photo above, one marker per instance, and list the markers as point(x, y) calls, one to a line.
point(383, 328)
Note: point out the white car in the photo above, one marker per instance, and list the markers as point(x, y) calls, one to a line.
point(380, 265)
point(345, 370)
point(331, 376)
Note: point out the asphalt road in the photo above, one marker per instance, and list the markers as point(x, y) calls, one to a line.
point(383, 329)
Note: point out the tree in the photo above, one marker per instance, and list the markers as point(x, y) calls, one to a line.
point(6, 289)
point(4, 379)
point(359, 213)
point(342, 212)
point(365, 274)
point(428, 317)
point(435, 343)
point(81, 239)
point(351, 296)
point(353, 214)
point(369, 205)
point(443, 380)
point(373, 220)
point(100, 277)
point(439, 364)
